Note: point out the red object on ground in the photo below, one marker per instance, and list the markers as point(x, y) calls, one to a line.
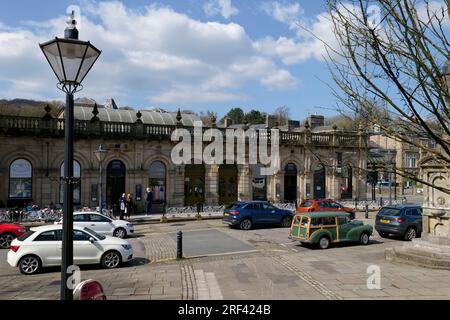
point(89, 290)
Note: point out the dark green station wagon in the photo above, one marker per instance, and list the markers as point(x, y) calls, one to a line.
point(323, 228)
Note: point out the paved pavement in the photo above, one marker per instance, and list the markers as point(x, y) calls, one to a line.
point(257, 264)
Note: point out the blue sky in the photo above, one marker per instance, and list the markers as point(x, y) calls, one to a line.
point(194, 54)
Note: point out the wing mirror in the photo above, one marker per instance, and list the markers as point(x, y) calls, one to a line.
point(91, 240)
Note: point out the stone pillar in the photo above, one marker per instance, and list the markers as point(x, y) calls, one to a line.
point(211, 184)
point(244, 183)
point(176, 197)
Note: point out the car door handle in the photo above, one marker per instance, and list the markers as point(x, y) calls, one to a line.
point(93, 225)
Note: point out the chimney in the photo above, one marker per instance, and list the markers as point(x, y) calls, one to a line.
point(316, 121)
point(227, 122)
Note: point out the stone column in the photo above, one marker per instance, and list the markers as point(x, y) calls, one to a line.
point(211, 184)
point(244, 183)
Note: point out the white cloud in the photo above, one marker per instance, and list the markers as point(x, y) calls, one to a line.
point(156, 53)
point(223, 7)
point(285, 13)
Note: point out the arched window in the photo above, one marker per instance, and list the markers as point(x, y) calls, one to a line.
point(20, 179)
point(157, 181)
point(76, 186)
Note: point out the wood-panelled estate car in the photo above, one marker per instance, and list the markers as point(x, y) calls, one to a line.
point(324, 228)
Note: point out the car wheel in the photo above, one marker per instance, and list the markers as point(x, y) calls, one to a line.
point(120, 233)
point(286, 222)
point(410, 234)
point(245, 224)
point(324, 242)
point(5, 240)
point(364, 239)
point(30, 265)
point(111, 259)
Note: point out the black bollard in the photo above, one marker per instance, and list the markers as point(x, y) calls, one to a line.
point(179, 245)
point(367, 212)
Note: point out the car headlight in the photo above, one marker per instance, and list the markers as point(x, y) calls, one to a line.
point(22, 230)
point(126, 246)
point(129, 225)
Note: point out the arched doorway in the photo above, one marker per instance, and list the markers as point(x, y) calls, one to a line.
point(157, 181)
point(194, 184)
point(347, 186)
point(319, 182)
point(290, 182)
point(259, 183)
point(115, 182)
point(228, 184)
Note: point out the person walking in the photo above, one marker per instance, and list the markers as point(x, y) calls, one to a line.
point(129, 205)
point(148, 201)
point(122, 205)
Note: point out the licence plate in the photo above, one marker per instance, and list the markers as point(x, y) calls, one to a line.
point(226, 214)
point(385, 221)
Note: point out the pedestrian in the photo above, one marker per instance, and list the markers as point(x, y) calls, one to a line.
point(148, 201)
point(198, 196)
point(122, 205)
point(129, 205)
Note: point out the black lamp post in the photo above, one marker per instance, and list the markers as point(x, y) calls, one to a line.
point(71, 60)
point(101, 155)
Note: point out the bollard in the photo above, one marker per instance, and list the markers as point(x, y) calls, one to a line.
point(367, 212)
point(179, 245)
point(381, 201)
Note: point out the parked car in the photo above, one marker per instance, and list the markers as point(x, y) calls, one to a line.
point(318, 205)
point(8, 232)
point(41, 247)
point(102, 224)
point(400, 220)
point(248, 213)
point(323, 228)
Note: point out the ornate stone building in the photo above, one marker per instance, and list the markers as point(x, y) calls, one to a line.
point(316, 161)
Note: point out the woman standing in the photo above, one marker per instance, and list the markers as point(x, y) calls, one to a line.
point(122, 205)
point(130, 205)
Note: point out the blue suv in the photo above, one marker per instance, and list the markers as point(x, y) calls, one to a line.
point(400, 220)
point(246, 214)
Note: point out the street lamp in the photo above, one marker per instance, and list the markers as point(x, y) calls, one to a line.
point(101, 155)
point(70, 60)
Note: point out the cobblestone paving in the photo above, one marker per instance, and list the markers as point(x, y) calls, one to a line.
point(280, 269)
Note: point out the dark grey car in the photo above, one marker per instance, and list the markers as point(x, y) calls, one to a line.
point(400, 220)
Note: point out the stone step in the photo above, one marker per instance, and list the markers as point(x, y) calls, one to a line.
point(416, 257)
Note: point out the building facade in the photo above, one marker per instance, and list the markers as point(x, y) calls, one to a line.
point(314, 163)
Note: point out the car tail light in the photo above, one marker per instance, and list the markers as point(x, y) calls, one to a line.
point(14, 248)
point(400, 219)
point(235, 212)
point(310, 209)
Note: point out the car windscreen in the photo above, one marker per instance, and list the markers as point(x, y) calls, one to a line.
point(233, 206)
point(389, 211)
point(25, 235)
point(306, 204)
point(95, 234)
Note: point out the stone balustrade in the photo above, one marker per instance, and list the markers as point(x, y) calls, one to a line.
point(16, 126)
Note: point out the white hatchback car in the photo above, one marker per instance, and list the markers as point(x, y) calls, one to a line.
point(102, 224)
point(42, 247)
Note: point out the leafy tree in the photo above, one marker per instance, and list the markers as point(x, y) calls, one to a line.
point(255, 117)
